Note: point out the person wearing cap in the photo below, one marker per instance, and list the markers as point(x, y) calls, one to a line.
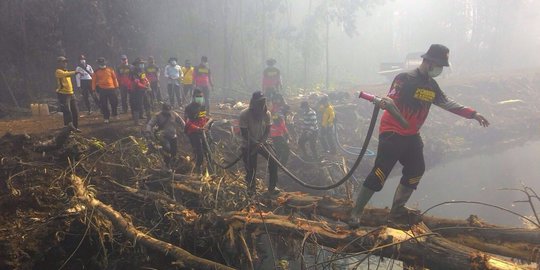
point(203, 80)
point(173, 73)
point(138, 96)
point(271, 80)
point(279, 133)
point(413, 93)
point(196, 120)
point(152, 72)
point(255, 124)
point(309, 131)
point(106, 84)
point(84, 82)
point(164, 125)
point(327, 117)
point(64, 91)
point(187, 81)
point(124, 80)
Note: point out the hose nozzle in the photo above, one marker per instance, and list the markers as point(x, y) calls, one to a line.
point(385, 104)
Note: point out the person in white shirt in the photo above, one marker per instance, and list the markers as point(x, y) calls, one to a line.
point(173, 73)
point(84, 83)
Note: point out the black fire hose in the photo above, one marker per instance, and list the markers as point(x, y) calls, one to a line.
point(211, 158)
point(349, 173)
point(342, 148)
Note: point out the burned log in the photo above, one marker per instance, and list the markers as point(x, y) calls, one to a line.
point(519, 243)
point(418, 246)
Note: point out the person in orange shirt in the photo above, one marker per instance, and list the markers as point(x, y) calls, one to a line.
point(106, 84)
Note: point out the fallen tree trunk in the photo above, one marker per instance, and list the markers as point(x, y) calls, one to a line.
point(517, 243)
point(130, 231)
point(419, 246)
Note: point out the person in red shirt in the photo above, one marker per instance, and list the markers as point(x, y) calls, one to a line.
point(413, 93)
point(152, 73)
point(203, 81)
point(138, 97)
point(278, 131)
point(271, 81)
point(196, 120)
point(123, 73)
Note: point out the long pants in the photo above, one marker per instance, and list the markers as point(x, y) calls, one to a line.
point(86, 87)
point(156, 91)
point(282, 149)
point(408, 150)
point(139, 101)
point(124, 98)
point(327, 139)
point(198, 146)
point(68, 106)
point(250, 164)
point(106, 97)
point(206, 93)
point(187, 92)
point(308, 136)
point(146, 104)
point(174, 94)
point(170, 146)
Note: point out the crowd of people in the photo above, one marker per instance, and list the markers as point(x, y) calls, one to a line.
point(263, 126)
point(133, 86)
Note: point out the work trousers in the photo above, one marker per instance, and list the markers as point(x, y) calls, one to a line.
point(86, 88)
point(174, 94)
point(308, 136)
point(106, 97)
point(199, 147)
point(140, 104)
point(68, 106)
point(170, 146)
point(156, 92)
point(327, 139)
point(282, 148)
point(408, 150)
point(187, 92)
point(250, 164)
point(124, 98)
point(206, 93)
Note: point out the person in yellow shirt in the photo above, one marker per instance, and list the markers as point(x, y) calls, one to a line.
point(106, 84)
point(66, 100)
point(187, 82)
point(326, 110)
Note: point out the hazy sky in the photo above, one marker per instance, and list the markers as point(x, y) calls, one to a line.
point(481, 35)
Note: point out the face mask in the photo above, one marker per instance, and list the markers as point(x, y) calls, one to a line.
point(141, 66)
point(173, 63)
point(102, 66)
point(83, 62)
point(435, 71)
point(199, 100)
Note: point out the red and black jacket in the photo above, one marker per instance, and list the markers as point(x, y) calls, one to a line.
point(413, 94)
point(196, 118)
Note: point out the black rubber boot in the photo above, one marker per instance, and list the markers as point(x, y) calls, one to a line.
point(364, 195)
point(401, 217)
